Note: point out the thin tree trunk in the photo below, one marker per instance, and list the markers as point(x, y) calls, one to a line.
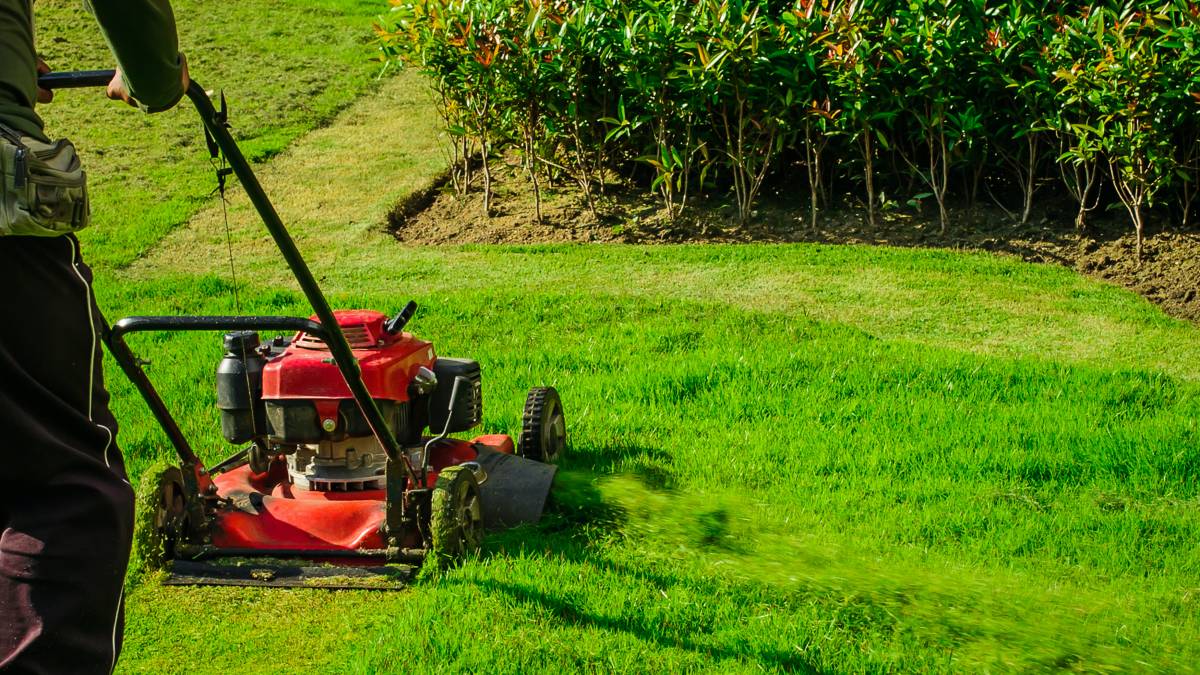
point(1132, 195)
point(1187, 197)
point(938, 164)
point(811, 167)
point(869, 174)
point(583, 167)
point(1089, 173)
point(1031, 144)
point(1080, 178)
point(687, 167)
point(976, 179)
point(742, 186)
point(533, 178)
point(1190, 187)
point(487, 182)
point(1138, 225)
point(734, 149)
point(465, 162)
point(945, 218)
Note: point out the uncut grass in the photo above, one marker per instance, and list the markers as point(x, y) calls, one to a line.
point(886, 504)
point(286, 66)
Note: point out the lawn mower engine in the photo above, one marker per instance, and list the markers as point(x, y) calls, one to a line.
point(299, 405)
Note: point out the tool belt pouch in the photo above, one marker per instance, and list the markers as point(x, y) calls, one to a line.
point(43, 187)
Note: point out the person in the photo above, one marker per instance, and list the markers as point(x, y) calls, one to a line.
point(66, 506)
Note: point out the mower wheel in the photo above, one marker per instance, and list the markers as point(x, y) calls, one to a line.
point(456, 516)
point(543, 426)
point(160, 514)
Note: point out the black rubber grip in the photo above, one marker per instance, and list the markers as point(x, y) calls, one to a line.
point(76, 80)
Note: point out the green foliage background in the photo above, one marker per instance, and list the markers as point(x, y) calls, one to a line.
point(892, 101)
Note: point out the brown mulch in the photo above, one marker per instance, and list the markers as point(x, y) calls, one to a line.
point(1168, 274)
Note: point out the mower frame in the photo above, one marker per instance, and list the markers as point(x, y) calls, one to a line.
point(403, 503)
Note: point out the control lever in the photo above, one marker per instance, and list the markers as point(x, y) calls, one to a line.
point(459, 382)
point(398, 322)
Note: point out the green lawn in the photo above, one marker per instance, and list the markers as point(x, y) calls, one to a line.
point(800, 457)
point(796, 491)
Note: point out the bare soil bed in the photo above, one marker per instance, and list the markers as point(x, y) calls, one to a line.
point(1168, 275)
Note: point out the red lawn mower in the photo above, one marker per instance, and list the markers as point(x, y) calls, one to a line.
point(347, 465)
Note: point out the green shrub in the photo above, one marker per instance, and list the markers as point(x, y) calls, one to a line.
point(916, 98)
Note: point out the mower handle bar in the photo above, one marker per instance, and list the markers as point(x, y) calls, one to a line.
point(134, 324)
point(76, 79)
point(215, 124)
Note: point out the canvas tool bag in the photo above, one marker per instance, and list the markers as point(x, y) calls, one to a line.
point(42, 185)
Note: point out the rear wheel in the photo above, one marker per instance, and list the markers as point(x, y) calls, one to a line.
point(456, 516)
point(543, 426)
point(160, 516)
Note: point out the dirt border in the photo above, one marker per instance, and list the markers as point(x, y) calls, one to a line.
point(1168, 275)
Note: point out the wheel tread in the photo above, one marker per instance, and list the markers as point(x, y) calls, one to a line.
point(447, 545)
point(531, 422)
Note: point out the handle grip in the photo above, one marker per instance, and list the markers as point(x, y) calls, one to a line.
point(76, 79)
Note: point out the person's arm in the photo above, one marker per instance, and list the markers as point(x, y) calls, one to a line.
point(142, 36)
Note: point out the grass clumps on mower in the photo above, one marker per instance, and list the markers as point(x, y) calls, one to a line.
point(155, 499)
point(456, 520)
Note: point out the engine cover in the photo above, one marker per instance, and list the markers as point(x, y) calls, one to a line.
point(307, 398)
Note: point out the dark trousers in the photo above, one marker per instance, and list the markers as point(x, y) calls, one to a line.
point(66, 507)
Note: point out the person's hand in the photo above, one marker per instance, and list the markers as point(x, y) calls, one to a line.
point(43, 95)
point(117, 90)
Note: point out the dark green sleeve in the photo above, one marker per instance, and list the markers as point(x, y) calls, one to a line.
point(142, 36)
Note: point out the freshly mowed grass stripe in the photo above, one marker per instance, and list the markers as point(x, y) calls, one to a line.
point(286, 66)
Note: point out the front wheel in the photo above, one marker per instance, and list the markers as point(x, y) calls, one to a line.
point(160, 516)
point(456, 516)
point(543, 426)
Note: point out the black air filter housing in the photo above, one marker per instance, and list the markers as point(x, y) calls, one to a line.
point(239, 388)
point(468, 408)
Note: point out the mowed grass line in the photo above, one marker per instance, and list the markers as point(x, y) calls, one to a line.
point(286, 67)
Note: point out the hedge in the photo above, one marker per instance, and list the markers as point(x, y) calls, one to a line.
point(920, 100)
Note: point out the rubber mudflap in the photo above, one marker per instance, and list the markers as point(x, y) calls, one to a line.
point(516, 489)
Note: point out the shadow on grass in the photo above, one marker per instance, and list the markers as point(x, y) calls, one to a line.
point(578, 518)
point(564, 610)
